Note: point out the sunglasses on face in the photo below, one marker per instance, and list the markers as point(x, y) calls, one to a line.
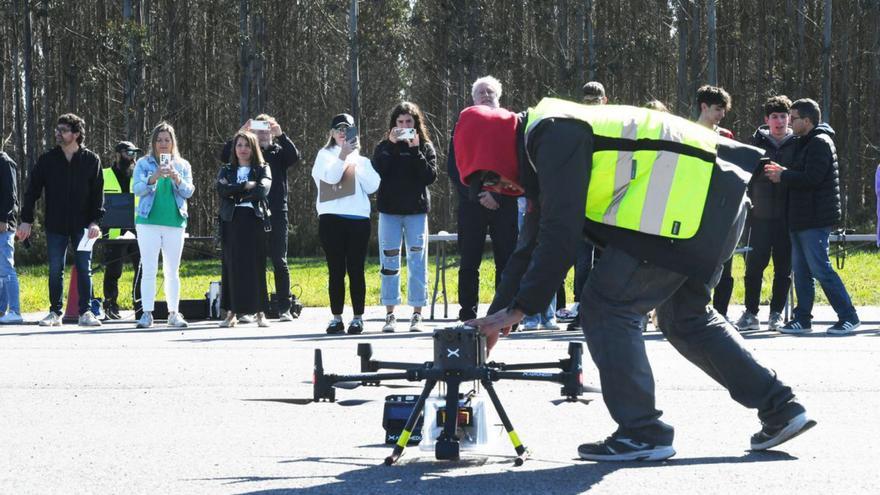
point(131, 153)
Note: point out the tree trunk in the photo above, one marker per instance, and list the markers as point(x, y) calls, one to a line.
point(46, 47)
point(579, 19)
point(683, 28)
point(826, 62)
point(30, 116)
point(354, 59)
point(801, 37)
point(591, 43)
point(244, 61)
point(711, 49)
point(562, 43)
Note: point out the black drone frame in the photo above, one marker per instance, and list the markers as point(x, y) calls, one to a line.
point(459, 356)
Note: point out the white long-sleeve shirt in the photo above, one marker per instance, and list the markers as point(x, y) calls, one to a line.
point(329, 168)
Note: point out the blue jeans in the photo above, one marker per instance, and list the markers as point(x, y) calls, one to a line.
point(8, 277)
point(413, 229)
point(57, 246)
point(548, 314)
point(809, 260)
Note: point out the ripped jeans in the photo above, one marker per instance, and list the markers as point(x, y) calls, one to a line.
point(413, 230)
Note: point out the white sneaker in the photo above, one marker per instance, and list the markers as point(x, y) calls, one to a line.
point(230, 320)
point(176, 320)
point(88, 319)
point(51, 320)
point(247, 319)
point(390, 322)
point(11, 318)
point(285, 316)
point(550, 325)
point(146, 320)
point(262, 321)
point(415, 324)
point(775, 321)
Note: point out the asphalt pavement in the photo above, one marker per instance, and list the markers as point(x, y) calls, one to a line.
point(207, 410)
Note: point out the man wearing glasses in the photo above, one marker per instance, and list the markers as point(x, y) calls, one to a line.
point(117, 179)
point(813, 187)
point(73, 182)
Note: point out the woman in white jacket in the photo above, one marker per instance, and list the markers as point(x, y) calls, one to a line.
point(345, 179)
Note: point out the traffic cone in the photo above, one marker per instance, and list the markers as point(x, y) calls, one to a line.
point(71, 312)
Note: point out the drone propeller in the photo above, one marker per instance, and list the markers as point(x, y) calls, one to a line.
point(303, 402)
point(354, 385)
point(556, 402)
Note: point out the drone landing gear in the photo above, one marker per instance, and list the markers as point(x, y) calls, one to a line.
point(448, 447)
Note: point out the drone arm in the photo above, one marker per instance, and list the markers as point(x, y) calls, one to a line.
point(561, 364)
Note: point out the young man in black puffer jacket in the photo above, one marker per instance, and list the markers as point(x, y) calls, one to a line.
point(768, 229)
point(813, 209)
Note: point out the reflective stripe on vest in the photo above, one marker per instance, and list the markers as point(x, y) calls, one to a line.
point(651, 170)
point(111, 185)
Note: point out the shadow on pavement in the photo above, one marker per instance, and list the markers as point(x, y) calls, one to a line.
point(428, 476)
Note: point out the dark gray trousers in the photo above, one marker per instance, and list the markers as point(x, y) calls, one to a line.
point(618, 294)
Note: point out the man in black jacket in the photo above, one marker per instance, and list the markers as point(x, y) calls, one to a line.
point(280, 152)
point(813, 209)
point(619, 162)
point(768, 229)
point(478, 214)
point(9, 297)
point(73, 181)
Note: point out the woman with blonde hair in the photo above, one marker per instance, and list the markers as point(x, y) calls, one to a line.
point(162, 181)
point(243, 185)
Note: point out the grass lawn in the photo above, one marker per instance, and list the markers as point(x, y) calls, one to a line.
point(309, 279)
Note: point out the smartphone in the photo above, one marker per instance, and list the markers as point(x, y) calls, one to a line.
point(260, 125)
point(351, 135)
point(409, 133)
point(165, 160)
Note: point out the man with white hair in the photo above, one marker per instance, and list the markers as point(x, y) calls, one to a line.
point(479, 213)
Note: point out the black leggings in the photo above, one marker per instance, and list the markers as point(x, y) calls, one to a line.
point(345, 246)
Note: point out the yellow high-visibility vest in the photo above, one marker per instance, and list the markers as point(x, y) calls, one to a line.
point(111, 185)
point(651, 170)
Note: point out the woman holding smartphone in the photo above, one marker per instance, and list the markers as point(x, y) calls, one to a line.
point(243, 185)
point(407, 163)
point(162, 184)
point(345, 179)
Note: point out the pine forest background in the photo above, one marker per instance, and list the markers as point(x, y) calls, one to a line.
point(207, 65)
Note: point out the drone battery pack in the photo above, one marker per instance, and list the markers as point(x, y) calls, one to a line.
point(398, 407)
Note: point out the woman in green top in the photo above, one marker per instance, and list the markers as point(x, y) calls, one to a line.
point(162, 182)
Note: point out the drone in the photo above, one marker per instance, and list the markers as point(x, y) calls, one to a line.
point(459, 357)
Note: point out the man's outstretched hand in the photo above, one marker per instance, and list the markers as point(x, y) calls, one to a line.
point(497, 323)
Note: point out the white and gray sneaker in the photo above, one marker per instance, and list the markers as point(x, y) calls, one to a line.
point(747, 322)
point(88, 319)
point(285, 316)
point(775, 321)
point(390, 322)
point(415, 324)
point(262, 321)
point(11, 317)
point(247, 319)
point(146, 320)
point(53, 319)
point(176, 320)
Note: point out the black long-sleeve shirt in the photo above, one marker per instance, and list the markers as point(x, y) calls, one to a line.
point(8, 193)
point(280, 155)
point(406, 174)
point(74, 190)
